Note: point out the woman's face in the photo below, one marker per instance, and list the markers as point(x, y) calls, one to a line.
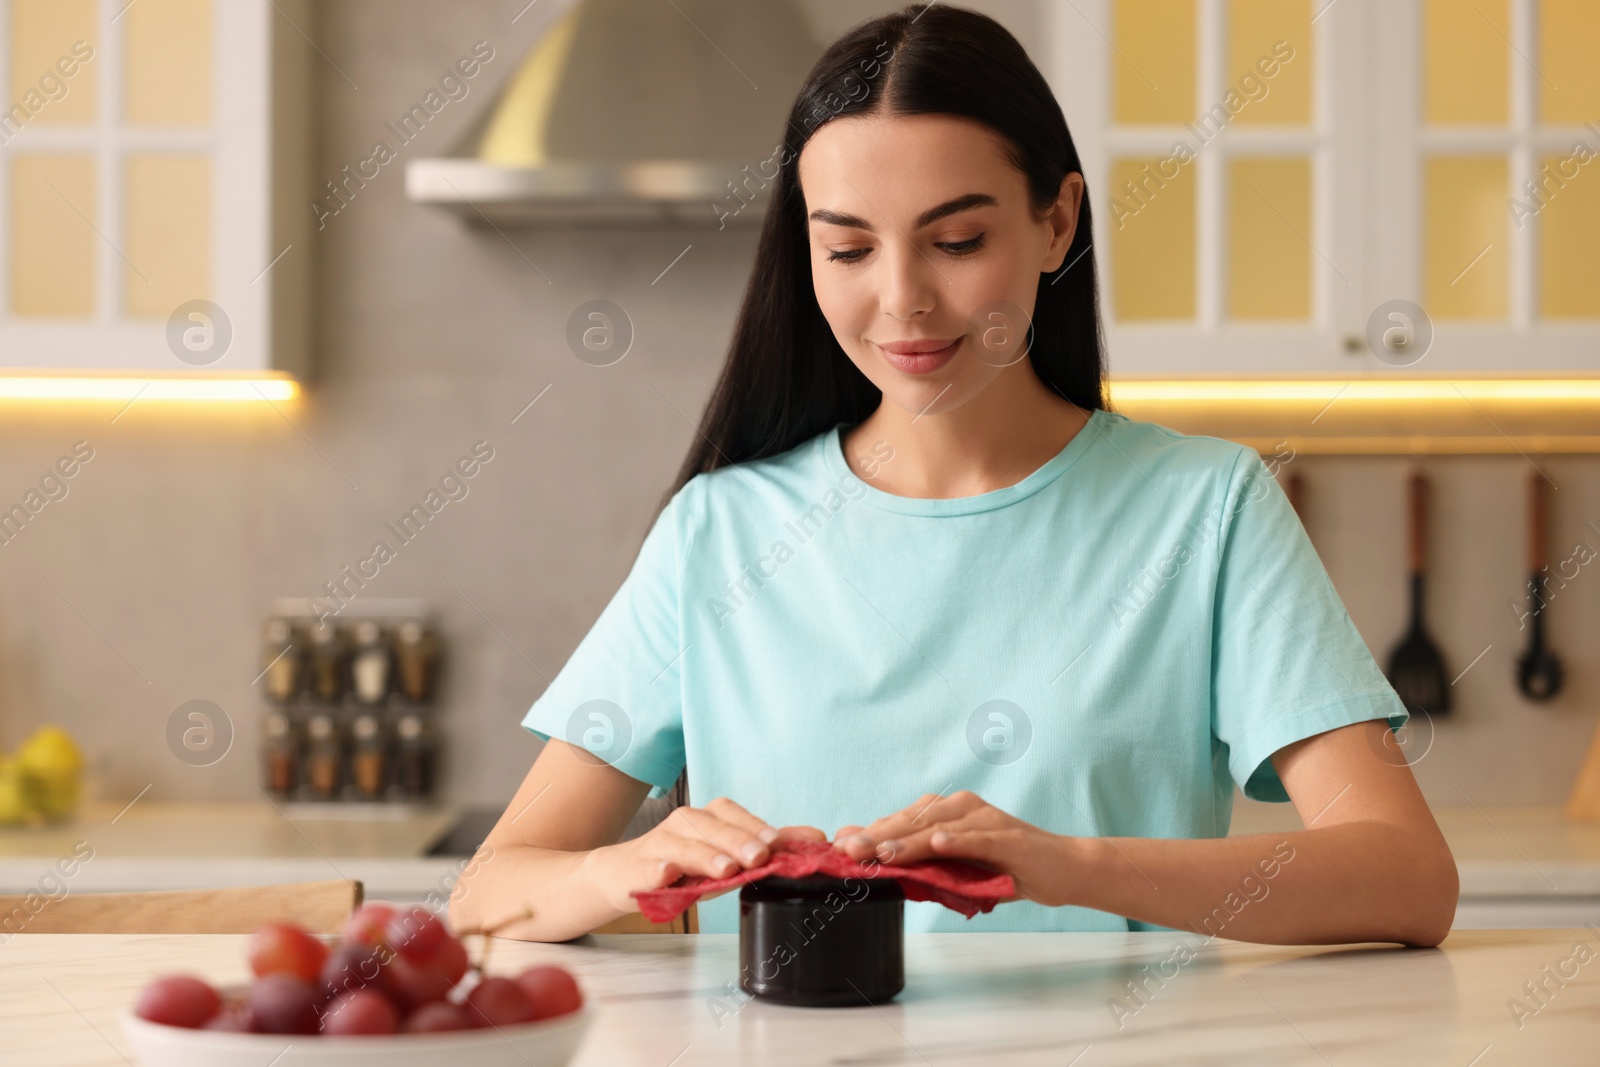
point(920, 231)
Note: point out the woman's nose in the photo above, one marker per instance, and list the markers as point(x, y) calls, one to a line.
point(909, 282)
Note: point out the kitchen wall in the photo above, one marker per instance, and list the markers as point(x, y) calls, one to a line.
point(146, 585)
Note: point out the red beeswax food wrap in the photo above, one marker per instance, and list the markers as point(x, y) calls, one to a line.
point(958, 886)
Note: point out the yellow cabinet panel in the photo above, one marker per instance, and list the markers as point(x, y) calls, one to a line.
point(1466, 237)
point(1569, 233)
point(1269, 227)
point(1466, 62)
point(1569, 35)
point(52, 81)
point(52, 235)
point(1152, 222)
point(168, 201)
point(1255, 28)
point(1153, 61)
point(168, 63)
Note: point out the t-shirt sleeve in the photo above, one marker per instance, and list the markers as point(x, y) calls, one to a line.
point(1287, 661)
point(618, 696)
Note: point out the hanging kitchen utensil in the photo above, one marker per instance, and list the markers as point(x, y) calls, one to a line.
point(1539, 672)
point(1416, 667)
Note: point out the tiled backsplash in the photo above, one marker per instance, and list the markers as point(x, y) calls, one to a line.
point(145, 584)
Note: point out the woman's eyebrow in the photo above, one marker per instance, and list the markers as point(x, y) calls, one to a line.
point(932, 215)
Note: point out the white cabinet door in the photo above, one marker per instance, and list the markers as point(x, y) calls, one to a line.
point(1488, 200)
point(1267, 178)
point(143, 224)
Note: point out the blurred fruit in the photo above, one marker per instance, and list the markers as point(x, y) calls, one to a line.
point(283, 1004)
point(53, 760)
point(396, 971)
point(413, 984)
point(368, 924)
point(417, 934)
point(19, 794)
point(452, 961)
point(178, 1000)
point(287, 949)
point(551, 991)
point(351, 967)
point(435, 1018)
point(498, 1002)
point(366, 1011)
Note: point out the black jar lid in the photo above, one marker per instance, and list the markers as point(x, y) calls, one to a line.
point(822, 941)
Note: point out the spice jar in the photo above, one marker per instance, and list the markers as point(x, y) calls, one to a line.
point(417, 650)
point(282, 661)
point(329, 664)
point(325, 757)
point(822, 941)
point(281, 752)
point(414, 763)
point(370, 761)
point(371, 665)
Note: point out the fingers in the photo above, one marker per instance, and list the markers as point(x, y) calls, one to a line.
point(730, 812)
point(885, 839)
point(738, 845)
point(801, 833)
point(967, 838)
point(718, 841)
point(861, 842)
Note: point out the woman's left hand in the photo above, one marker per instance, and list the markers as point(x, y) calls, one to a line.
point(965, 826)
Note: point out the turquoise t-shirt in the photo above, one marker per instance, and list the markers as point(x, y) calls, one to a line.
point(1102, 649)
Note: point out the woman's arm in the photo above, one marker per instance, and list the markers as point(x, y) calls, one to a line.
point(554, 855)
point(1371, 864)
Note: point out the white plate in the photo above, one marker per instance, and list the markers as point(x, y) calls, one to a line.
point(549, 1043)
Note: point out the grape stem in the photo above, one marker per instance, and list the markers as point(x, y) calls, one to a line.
point(488, 933)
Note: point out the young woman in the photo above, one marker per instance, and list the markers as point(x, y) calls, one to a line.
point(920, 593)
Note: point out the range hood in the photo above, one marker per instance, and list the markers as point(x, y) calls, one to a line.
point(633, 111)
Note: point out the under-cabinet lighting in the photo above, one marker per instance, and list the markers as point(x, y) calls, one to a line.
point(94, 387)
point(1323, 390)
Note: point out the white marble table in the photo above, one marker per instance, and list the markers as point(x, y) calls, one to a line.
point(991, 999)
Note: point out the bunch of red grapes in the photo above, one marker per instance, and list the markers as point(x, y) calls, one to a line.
point(395, 971)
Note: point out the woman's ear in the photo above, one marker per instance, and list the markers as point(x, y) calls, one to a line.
point(1062, 220)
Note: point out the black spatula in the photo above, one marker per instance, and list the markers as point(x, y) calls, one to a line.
point(1416, 667)
point(1539, 672)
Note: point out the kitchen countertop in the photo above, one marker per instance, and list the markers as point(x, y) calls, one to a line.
point(153, 844)
point(1503, 852)
point(1523, 851)
point(969, 999)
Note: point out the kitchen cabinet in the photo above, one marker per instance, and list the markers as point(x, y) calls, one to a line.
point(154, 203)
point(1268, 176)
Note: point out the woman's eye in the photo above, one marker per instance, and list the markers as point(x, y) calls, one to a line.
point(849, 255)
point(961, 248)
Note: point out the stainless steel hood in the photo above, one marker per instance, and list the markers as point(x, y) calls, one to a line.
point(633, 111)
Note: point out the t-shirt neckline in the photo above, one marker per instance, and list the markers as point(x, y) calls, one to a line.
point(838, 467)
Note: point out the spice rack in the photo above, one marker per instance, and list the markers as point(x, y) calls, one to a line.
point(350, 725)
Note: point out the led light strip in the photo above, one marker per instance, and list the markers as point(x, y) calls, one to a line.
point(1321, 391)
point(28, 387)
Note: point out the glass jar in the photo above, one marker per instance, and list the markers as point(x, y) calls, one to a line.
point(282, 661)
point(371, 665)
point(281, 753)
point(329, 663)
point(324, 757)
point(414, 761)
point(417, 652)
point(369, 762)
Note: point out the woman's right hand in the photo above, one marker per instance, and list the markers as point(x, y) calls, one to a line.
point(716, 841)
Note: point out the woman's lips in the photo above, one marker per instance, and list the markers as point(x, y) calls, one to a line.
point(921, 362)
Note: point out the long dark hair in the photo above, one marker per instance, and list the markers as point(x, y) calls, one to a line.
point(786, 378)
